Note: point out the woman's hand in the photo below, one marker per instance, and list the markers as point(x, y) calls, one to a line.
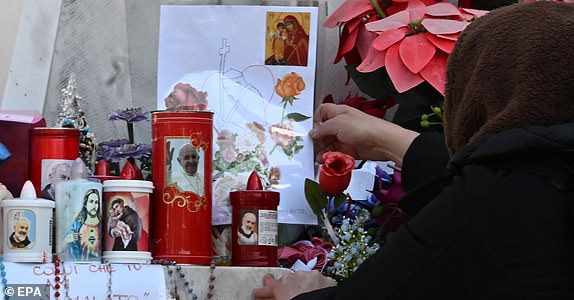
point(291, 285)
point(346, 129)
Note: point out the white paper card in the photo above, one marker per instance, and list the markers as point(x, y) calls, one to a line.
point(257, 64)
point(90, 281)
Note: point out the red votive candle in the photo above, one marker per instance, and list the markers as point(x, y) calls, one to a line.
point(254, 225)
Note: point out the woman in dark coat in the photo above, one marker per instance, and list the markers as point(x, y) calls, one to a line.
point(498, 222)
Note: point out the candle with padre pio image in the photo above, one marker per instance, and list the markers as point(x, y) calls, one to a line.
point(27, 223)
point(78, 217)
point(254, 220)
point(182, 172)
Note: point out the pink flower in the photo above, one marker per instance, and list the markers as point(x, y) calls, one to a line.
point(184, 96)
point(282, 134)
point(413, 44)
point(335, 173)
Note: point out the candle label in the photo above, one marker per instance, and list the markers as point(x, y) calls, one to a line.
point(257, 227)
point(21, 230)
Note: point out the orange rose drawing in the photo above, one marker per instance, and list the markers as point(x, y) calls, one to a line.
point(184, 96)
point(289, 86)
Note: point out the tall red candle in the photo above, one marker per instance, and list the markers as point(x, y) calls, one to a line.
point(254, 225)
point(182, 175)
point(51, 150)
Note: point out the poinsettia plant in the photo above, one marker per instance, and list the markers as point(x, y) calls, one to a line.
point(399, 49)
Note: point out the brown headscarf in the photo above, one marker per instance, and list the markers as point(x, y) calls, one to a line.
point(512, 67)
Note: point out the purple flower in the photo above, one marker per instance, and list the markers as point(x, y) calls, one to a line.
point(115, 152)
point(114, 143)
point(130, 115)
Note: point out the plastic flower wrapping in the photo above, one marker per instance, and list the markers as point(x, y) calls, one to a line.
point(353, 229)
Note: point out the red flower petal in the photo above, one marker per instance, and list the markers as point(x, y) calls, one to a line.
point(395, 21)
point(402, 78)
point(416, 10)
point(443, 26)
point(416, 51)
point(475, 12)
point(451, 37)
point(388, 38)
point(443, 44)
point(364, 41)
point(347, 11)
point(349, 42)
point(374, 60)
point(335, 172)
point(435, 72)
point(442, 9)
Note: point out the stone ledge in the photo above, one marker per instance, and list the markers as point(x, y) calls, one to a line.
point(230, 282)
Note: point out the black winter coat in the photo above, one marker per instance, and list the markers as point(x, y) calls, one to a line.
point(500, 224)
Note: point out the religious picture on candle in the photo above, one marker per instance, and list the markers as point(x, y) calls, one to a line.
point(184, 165)
point(53, 171)
point(21, 229)
point(247, 229)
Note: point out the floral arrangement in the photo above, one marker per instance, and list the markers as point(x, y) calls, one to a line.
point(246, 149)
point(116, 151)
point(398, 49)
point(356, 228)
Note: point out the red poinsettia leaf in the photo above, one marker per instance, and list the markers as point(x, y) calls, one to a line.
point(450, 37)
point(416, 9)
point(442, 26)
point(416, 51)
point(443, 44)
point(475, 12)
point(435, 72)
point(357, 8)
point(328, 99)
point(375, 112)
point(349, 42)
point(356, 102)
point(395, 21)
point(374, 60)
point(388, 38)
point(364, 41)
point(396, 8)
point(353, 24)
point(347, 11)
point(442, 9)
point(402, 78)
point(399, 1)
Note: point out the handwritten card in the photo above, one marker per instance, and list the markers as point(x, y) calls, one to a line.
point(90, 281)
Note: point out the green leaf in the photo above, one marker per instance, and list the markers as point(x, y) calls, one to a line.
point(376, 84)
point(339, 200)
point(297, 117)
point(315, 196)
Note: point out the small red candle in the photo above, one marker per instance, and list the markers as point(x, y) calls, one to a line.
point(254, 225)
